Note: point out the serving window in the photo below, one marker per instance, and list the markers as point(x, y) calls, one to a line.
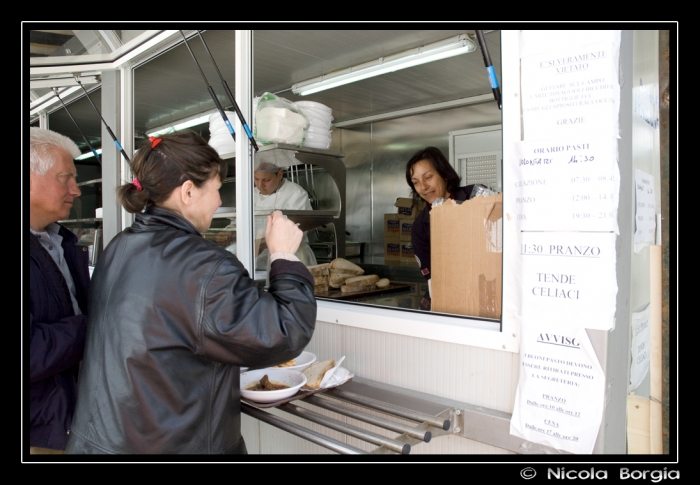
point(375, 150)
point(378, 124)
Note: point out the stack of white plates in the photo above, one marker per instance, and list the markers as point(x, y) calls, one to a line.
point(320, 116)
point(220, 138)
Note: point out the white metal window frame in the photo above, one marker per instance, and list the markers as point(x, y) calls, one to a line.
point(452, 329)
point(445, 328)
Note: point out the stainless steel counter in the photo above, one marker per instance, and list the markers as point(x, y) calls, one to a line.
point(364, 401)
point(411, 417)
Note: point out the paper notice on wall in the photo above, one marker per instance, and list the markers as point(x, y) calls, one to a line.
point(640, 347)
point(645, 210)
point(568, 184)
point(560, 395)
point(570, 85)
point(537, 42)
point(568, 279)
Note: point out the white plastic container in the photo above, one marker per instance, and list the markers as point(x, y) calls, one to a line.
point(280, 125)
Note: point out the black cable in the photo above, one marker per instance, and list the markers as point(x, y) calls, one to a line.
point(116, 142)
point(230, 95)
point(211, 91)
point(55, 91)
point(489, 67)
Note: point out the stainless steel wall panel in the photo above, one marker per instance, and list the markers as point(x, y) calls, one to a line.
point(356, 144)
point(375, 160)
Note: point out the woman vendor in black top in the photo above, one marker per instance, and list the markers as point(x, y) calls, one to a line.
point(430, 176)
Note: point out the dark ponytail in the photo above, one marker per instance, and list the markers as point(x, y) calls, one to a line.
point(164, 163)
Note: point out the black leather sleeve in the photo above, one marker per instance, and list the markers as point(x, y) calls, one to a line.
point(245, 325)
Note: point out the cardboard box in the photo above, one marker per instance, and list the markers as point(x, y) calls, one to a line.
point(405, 229)
point(407, 254)
point(392, 249)
point(408, 208)
point(466, 253)
point(392, 226)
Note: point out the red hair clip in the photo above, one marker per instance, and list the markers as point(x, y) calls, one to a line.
point(154, 141)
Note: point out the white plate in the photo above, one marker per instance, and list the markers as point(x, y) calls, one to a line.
point(320, 131)
point(304, 360)
point(315, 144)
point(319, 137)
point(314, 105)
point(291, 378)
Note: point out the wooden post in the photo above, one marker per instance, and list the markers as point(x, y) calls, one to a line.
point(655, 367)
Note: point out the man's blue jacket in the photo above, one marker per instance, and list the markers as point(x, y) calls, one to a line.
point(57, 340)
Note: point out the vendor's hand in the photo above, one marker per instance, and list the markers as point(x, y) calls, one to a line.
point(281, 234)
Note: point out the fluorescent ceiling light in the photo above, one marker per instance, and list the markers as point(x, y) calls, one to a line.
point(454, 46)
point(182, 125)
point(89, 154)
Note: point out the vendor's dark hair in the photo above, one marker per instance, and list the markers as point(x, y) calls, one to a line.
point(440, 164)
point(166, 162)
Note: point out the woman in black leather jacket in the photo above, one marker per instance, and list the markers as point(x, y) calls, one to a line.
point(173, 316)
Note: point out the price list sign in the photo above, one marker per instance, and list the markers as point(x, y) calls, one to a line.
point(563, 185)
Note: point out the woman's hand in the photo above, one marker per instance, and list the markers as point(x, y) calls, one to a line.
point(281, 234)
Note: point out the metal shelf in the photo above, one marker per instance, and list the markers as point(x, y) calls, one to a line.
point(72, 221)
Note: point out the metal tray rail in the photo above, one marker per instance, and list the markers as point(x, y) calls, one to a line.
point(419, 434)
point(391, 409)
point(390, 444)
point(302, 432)
point(343, 400)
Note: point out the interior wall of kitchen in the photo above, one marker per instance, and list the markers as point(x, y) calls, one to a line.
point(375, 159)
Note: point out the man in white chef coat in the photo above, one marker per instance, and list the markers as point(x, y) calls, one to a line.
point(274, 192)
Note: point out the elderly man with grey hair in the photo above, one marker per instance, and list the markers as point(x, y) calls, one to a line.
point(58, 287)
point(274, 192)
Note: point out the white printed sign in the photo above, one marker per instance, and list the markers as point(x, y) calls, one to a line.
point(568, 279)
point(571, 184)
point(645, 210)
point(641, 348)
point(559, 400)
point(571, 91)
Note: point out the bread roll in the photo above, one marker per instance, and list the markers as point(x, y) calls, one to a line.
point(341, 264)
point(320, 280)
point(337, 278)
point(383, 283)
point(315, 372)
point(319, 269)
point(365, 280)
